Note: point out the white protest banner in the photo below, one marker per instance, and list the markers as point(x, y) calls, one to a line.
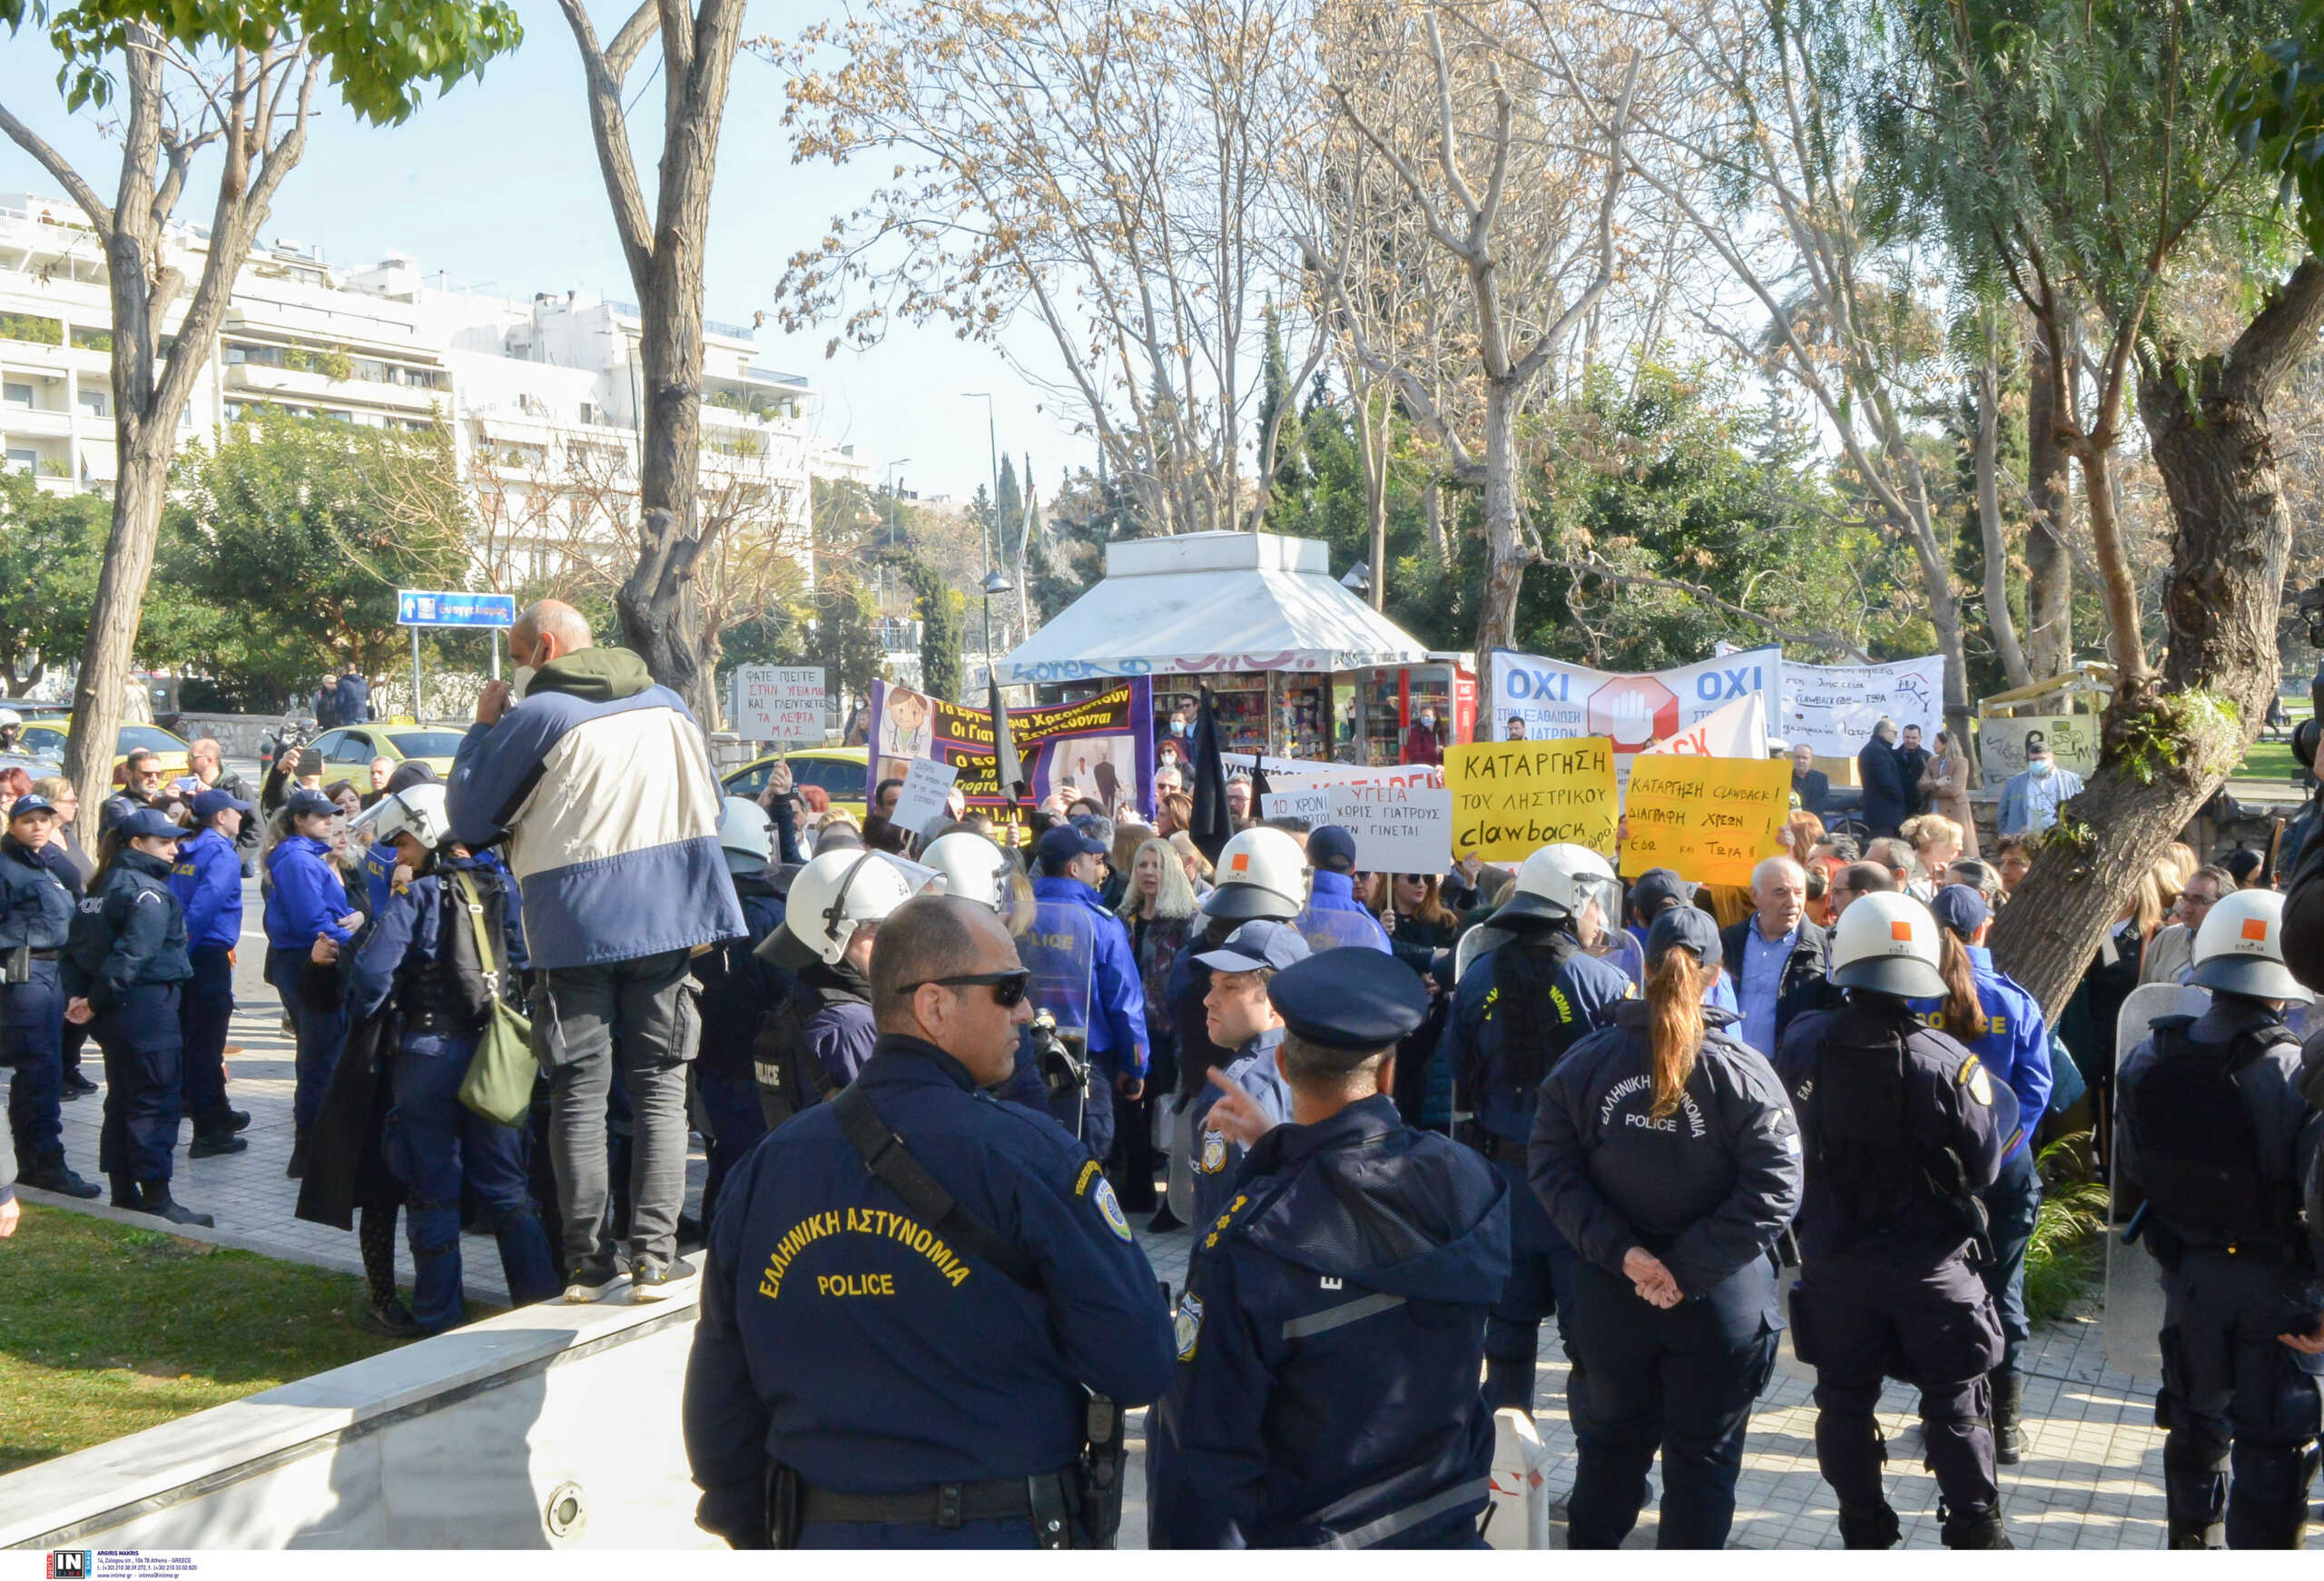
point(1738, 730)
point(1548, 699)
point(921, 801)
point(1288, 768)
point(1312, 803)
point(779, 703)
point(1834, 706)
point(1397, 828)
point(1412, 776)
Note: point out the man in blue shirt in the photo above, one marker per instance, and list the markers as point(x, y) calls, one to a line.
point(1070, 866)
point(208, 883)
point(1334, 918)
point(2030, 801)
point(1776, 955)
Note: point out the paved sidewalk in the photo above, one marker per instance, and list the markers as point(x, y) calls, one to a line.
point(2092, 1479)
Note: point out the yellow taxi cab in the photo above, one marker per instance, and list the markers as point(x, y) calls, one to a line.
point(843, 773)
point(349, 750)
point(45, 737)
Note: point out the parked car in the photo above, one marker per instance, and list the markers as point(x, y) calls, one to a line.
point(348, 752)
point(46, 737)
point(844, 772)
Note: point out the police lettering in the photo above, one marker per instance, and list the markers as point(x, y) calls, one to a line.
point(873, 1221)
point(855, 1284)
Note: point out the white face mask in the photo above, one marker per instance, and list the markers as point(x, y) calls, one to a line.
point(523, 681)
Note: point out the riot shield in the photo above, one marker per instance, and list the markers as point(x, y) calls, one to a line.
point(1339, 930)
point(2133, 1279)
point(1620, 947)
point(1477, 944)
point(1059, 951)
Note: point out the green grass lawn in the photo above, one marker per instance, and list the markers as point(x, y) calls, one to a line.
point(2270, 761)
point(106, 1329)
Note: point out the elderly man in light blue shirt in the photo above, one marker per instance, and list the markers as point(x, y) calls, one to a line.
point(1776, 955)
point(2030, 801)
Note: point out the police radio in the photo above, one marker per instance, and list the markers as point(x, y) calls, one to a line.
point(1060, 1059)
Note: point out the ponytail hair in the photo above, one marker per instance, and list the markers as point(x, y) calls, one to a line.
point(1674, 1006)
point(1963, 1012)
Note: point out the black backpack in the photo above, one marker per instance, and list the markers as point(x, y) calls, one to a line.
point(2198, 1149)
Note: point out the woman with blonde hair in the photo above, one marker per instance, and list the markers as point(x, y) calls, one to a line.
point(1664, 1129)
point(1158, 908)
point(1937, 843)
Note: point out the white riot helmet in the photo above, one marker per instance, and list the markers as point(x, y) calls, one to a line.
point(9, 717)
point(833, 895)
point(1557, 883)
point(1887, 944)
point(1260, 873)
point(972, 866)
point(743, 832)
point(417, 810)
point(2239, 948)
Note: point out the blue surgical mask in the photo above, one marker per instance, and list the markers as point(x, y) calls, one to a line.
point(2039, 768)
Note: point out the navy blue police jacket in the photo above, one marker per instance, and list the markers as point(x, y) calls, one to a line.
point(1582, 999)
point(1330, 1344)
point(1707, 1188)
point(1951, 1100)
point(36, 902)
point(130, 934)
point(844, 1339)
point(738, 986)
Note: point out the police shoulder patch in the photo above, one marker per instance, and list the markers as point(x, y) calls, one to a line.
point(1975, 1079)
point(1188, 1326)
point(1213, 1151)
point(1109, 1207)
point(1091, 1169)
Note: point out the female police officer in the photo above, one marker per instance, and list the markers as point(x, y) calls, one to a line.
point(2002, 1024)
point(1900, 1129)
point(122, 970)
point(1665, 1151)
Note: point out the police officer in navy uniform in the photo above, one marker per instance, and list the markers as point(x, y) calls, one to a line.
point(1333, 1317)
point(1515, 1012)
point(914, 1290)
point(1900, 1129)
point(2002, 1025)
point(1262, 874)
point(1241, 1015)
point(39, 892)
point(122, 971)
point(1665, 1151)
point(2212, 1126)
point(208, 883)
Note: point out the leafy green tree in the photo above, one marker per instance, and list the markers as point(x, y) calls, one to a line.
point(48, 572)
point(939, 627)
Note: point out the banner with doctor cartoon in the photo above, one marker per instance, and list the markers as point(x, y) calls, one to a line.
point(1101, 748)
point(1834, 706)
point(1540, 700)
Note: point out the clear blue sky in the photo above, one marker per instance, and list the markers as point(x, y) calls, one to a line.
point(498, 183)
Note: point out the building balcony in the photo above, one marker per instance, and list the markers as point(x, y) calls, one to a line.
point(38, 422)
point(258, 379)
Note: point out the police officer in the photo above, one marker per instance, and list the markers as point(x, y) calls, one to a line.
point(208, 883)
point(1515, 1012)
point(739, 988)
point(1334, 1317)
point(39, 891)
point(305, 904)
point(422, 954)
point(1243, 1017)
point(1261, 874)
point(122, 970)
point(1069, 866)
point(1665, 1151)
point(1900, 1127)
point(1334, 918)
point(818, 1037)
point(914, 1290)
point(2209, 1125)
point(977, 870)
point(1999, 1022)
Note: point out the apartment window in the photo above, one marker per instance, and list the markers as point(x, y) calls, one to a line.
point(14, 394)
point(23, 460)
point(92, 401)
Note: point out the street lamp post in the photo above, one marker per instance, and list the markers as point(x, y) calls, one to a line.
point(994, 582)
point(992, 510)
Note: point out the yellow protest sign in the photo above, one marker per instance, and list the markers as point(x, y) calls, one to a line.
point(1708, 819)
point(1510, 798)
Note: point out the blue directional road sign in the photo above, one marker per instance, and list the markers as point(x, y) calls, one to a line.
point(478, 609)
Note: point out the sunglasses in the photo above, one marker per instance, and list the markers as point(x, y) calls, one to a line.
point(1007, 987)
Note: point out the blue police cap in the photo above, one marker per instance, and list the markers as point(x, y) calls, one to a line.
point(31, 802)
point(1349, 999)
point(145, 824)
point(1064, 841)
point(1960, 910)
point(1257, 944)
point(210, 803)
point(1685, 928)
point(311, 804)
point(1331, 848)
point(1656, 888)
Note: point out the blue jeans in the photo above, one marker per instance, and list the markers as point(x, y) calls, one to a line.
point(435, 1144)
point(204, 1011)
point(141, 1045)
point(32, 1020)
point(322, 1034)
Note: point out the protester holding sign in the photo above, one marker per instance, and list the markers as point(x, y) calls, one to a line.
point(1512, 798)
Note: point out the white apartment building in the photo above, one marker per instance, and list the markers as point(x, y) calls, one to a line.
point(542, 395)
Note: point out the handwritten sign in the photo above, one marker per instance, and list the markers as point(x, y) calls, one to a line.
point(1708, 819)
point(779, 703)
point(1312, 803)
point(921, 801)
point(2072, 739)
point(1397, 828)
point(1510, 798)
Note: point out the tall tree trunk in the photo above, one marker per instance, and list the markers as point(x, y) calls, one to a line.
point(660, 604)
point(2207, 422)
point(1505, 552)
point(2125, 642)
point(1995, 539)
point(1431, 509)
point(2049, 569)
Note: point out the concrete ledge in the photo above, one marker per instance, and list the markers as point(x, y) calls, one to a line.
point(464, 1441)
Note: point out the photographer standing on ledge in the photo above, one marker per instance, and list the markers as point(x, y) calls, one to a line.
point(913, 1290)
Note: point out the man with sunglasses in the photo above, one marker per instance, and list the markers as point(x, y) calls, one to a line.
point(141, 787)
point(913, 1291)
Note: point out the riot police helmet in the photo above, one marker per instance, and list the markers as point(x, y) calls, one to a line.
point(1556, 886)
point(1887, 944)
point(416, 810)
point(1261, 873)
point(832, 895)
point(2240, 949)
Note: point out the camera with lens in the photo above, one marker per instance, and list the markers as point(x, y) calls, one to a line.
point(1060, 1057)
point(2305, 738)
